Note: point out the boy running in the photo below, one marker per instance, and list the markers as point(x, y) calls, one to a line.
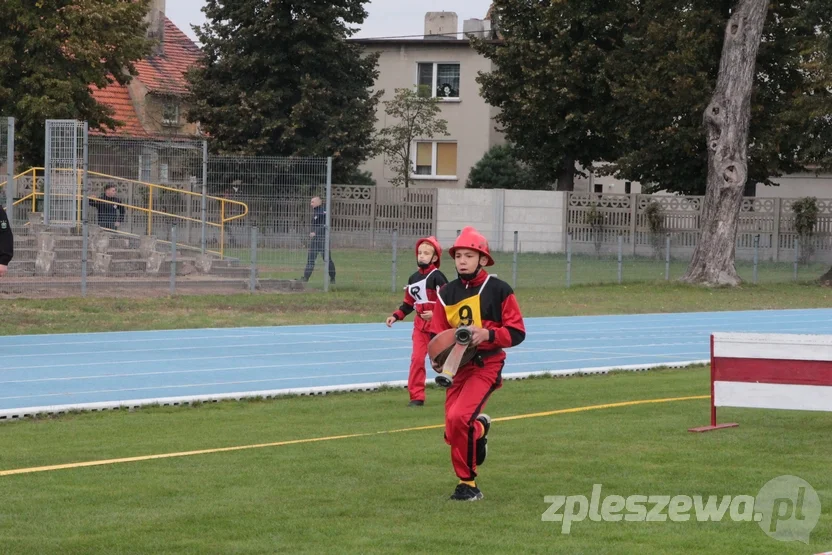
point(487, 306)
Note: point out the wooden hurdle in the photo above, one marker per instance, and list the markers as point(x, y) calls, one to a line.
point(769, 371)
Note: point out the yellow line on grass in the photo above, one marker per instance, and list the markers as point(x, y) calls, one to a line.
point(597, 407)
point(330, 438)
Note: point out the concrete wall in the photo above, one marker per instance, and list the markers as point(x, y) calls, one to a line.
point(611, 185)
point(537, 216)
point(798, 185)
point(789, 186)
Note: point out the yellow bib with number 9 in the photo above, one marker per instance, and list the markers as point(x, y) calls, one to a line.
point(465, 313)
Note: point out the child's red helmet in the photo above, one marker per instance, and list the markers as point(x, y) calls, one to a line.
point(470, 238)
point(433, 242)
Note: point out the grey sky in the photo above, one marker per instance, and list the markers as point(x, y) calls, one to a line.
point(387, 17)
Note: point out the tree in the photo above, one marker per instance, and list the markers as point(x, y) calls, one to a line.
point(549, 82)
point(627, 82)
point(500, 169)
point(279, 78)
point(416, 114)
point(52, 51)
point(821, 11)
point(806, 213)
point(816, 147)
point(361, 178)
point(727, 119)
point(666, 69)
point(655, 223)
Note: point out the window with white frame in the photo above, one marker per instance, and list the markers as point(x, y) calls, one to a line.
point(145, 167)
point(441, 79)
point(435, 159)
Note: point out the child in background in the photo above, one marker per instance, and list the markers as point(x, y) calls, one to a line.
point(420, 295)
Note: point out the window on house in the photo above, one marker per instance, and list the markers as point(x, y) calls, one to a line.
point(441, 79)
point(628, 187)
point(170, 113)
point(145, 168)
point(435, 159)
point(599, 187)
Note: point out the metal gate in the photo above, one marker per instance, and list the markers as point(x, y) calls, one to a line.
point(66, 152)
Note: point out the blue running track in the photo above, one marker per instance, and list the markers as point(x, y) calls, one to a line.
point(55, 373)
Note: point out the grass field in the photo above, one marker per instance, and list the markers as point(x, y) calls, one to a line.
point(379, 492)
point(373, 269)
point(386, 493)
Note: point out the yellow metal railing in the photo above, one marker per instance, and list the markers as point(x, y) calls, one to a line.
point(31, 195)
point(35, 173)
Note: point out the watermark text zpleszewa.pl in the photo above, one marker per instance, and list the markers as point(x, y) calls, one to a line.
point(787, 508)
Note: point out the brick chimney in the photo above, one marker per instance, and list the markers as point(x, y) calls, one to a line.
point(156, 25)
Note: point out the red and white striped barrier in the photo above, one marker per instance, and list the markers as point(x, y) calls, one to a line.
point(769, 371)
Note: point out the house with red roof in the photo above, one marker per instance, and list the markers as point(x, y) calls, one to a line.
point(154, 142)
point(152, 105)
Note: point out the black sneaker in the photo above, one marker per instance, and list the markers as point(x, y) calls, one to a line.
point(416, 404)
point(482, 443)
point(464, 492)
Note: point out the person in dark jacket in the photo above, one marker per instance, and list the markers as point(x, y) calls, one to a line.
point(110, 215)
point(6, 242)
point(317, 240)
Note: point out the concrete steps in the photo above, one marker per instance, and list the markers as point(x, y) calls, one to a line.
point(28, 286)
point(28, 253)
point(46, 252)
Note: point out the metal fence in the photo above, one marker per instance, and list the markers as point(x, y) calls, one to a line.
point(160, 183)
point(97, 261)
point(766, 225)
point(617, 264)
point(66, 144)
point(381, 259)
point(188, 221)
point(278, 193)
point(7, 162)
point(120, 216)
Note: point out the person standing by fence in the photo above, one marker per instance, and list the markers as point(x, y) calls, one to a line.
point(110, 209)
point(6, 242)
point(317, 240)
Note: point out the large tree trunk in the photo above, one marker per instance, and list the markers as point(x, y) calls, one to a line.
point(566, 177)
point(727, 119)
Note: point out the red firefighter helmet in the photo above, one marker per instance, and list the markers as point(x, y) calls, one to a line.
point(470, 238)
point(433, 242)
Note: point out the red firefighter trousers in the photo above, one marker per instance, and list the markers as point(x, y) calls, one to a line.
point(416, 378)
point(464, 401)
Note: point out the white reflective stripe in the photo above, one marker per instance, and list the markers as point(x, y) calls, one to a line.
point(441, 300)
point(483, 284)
